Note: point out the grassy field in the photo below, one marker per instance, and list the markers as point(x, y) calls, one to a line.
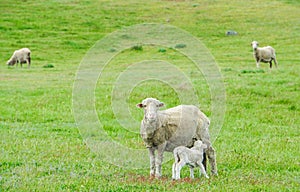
point(41, 147)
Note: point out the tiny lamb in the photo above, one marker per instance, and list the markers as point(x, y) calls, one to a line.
point(192, 157)
point(263, 54)
point(20, 56)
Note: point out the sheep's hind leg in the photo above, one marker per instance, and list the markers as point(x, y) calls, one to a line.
point(28, 62)
point(212, 160)
point(270, 64)
point(275, 61)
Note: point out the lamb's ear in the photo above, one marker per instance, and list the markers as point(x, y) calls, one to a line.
point(140, 105)
point(204, 146)
point(161, 104)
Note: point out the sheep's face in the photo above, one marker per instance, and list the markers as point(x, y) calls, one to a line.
point(254, 45)
point(150, 106)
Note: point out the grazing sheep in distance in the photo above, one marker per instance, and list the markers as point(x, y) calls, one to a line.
point(192, 157)
point(177, 126)
point(20, 56)
point(263, 54)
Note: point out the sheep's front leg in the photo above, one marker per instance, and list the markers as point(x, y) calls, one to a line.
point(159, 159)
point(257, 63)
point(152, 161)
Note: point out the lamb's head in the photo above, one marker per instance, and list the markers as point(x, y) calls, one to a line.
point(199, 144)
point(151, 107)
point(254, 45)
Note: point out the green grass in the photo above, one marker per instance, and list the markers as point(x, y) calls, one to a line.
point(41, 148)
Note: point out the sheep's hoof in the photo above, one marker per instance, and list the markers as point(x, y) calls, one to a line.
point(214, 174)
point(152, 176)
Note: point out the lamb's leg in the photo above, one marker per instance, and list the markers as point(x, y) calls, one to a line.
point(179, 166)
point(270, 64)
point(174, 171)
point(159, 159)
point(212, 160)
point(192, 172)
point(202, 170)
point(152, 161)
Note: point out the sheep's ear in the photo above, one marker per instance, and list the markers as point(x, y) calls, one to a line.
point(161, 104)
point(140, 105)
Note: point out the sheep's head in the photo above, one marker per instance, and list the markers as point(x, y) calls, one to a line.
point(199, 144)
point(254, 45)
point(11, 62)
point(150, 106)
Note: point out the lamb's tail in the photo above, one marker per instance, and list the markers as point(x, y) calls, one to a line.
point(176, 156)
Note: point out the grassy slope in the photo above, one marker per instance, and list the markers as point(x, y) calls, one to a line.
point(41, 148)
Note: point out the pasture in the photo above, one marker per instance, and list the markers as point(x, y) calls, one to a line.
point(41, 146)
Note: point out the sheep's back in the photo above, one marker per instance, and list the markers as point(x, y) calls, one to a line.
point(265, 53)
point(183, 123)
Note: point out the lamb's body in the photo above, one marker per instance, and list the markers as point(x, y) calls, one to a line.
point(263, 54)
point(178, 126)
point(192, 157)
point(20, 56)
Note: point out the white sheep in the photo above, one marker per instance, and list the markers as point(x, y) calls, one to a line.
point(177, 126)
point(192, 157)
point(20, 56)
point(263, 54)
